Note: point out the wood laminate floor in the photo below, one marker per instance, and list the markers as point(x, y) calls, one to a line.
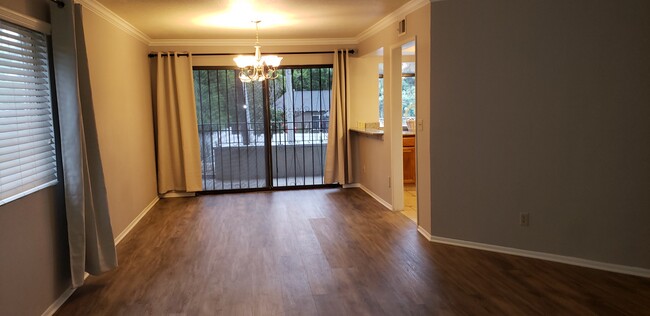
point(329, 252)
point(411, 202)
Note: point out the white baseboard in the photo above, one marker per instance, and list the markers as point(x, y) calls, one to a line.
point(59, 302)
point(136, 220)
point(424, 233)
point(376, 197)
point(351, 185)
point(64, 297)
point(540, 255)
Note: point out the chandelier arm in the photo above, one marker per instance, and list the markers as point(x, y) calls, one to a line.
point(258, 67)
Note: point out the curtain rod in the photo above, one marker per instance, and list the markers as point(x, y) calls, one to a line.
point(59, 3)
point(352, 52)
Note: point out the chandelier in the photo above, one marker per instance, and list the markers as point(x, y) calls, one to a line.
point(258, 67)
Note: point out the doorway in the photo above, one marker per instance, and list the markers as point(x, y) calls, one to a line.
point(409, 163)
point(262, 135)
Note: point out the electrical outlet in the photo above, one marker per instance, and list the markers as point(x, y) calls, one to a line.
point(524, 219)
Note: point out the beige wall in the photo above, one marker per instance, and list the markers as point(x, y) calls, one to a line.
point(288, 60)
point(34, 268)
point(119, 74)
point(368, 152)
point(367, 148)
point(543, 107)
point(365, 89)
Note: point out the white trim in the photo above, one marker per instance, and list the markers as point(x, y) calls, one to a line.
point(114, 19)
point(25, 21)
point(59, 302)
point(351, 185)
point(392, 18)
point(28, 192)
point(250, 42)
point(177, 195)
point(544, 256)
point(136, 220)
point(66, 295)
point(424, 233)
point(376, 197)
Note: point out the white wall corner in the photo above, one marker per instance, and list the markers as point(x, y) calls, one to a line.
point(392, 18)
point(543, 256)
point(376, 197)
point(114, 19)
point(424, 233)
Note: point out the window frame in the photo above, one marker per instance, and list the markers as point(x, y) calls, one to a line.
point(37, 34)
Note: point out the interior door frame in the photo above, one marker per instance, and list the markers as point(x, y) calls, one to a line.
point(395, 60)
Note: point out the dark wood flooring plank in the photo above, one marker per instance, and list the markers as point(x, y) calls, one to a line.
point(329, 252)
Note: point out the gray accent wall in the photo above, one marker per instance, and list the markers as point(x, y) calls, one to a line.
point(34, 262)
point(543, 107)
point(34, 267)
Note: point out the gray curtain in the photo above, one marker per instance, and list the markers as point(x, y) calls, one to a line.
point(90, 237)
point(178, 156)
point(337, 157)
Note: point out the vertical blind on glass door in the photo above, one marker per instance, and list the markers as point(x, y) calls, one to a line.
point(27, 152)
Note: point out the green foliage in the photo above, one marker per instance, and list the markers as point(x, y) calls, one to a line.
point(217, 99)
point(223, 102)
point(408, 96)
point(277, 121)
point(306, 79)
point(381, 98)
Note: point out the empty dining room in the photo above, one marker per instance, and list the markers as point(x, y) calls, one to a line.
point(225, 157)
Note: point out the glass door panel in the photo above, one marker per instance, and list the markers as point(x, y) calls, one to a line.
point(299, 112)
point(262, 134)
point(231, 123)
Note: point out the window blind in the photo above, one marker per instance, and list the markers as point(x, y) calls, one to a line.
point(27, 147)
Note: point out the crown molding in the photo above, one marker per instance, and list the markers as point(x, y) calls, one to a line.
point(395, 16)
point(122, 24)
point(114, 19)
point(24, 21)
point(249, 42)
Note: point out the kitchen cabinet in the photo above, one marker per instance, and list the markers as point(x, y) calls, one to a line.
point(408, 147)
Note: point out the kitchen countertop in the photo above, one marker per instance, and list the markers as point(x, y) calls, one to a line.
point(372, 131)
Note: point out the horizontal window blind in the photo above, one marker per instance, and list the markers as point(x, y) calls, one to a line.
point(27, 148)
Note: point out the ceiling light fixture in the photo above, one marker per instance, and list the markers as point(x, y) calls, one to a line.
point(258, 67)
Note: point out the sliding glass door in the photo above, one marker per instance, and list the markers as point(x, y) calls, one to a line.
point(231, 125)
point(262, 134)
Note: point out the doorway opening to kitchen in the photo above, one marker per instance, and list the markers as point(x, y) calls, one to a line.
point(409, 165)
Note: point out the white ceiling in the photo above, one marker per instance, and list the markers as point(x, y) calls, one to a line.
point(231, 19)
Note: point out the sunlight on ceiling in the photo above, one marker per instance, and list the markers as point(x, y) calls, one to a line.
point(240, 15)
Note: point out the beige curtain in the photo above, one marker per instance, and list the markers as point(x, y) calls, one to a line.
point(336, 161)
point(176, 132)
point(90, 237)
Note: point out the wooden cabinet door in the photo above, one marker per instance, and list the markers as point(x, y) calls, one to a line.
point(409, 164)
